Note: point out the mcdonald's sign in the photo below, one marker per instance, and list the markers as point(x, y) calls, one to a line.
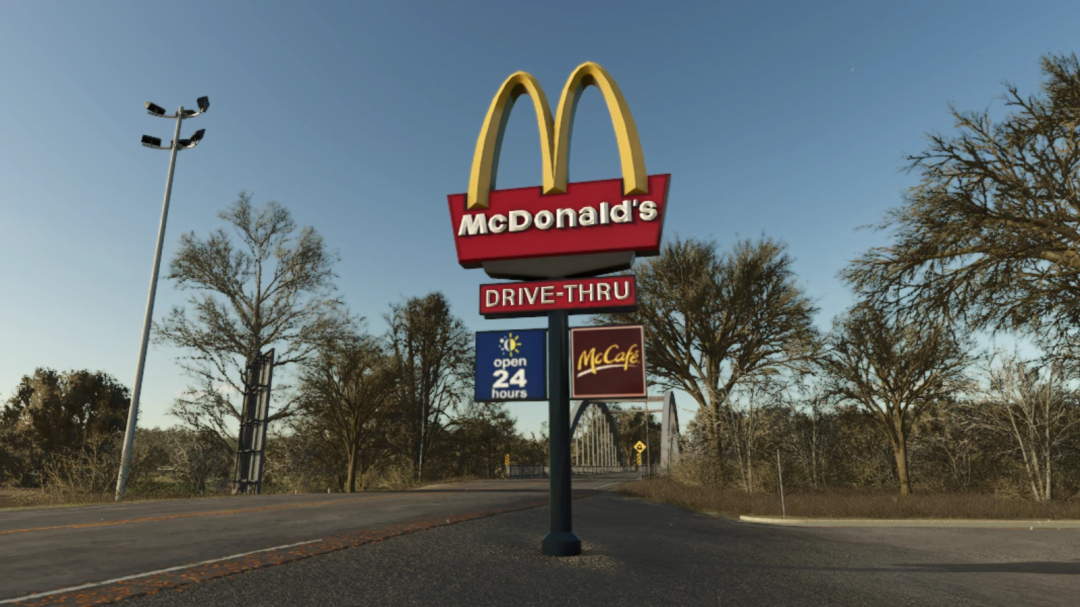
point(558, 229)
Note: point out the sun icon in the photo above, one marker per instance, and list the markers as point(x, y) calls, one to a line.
point(511, 344)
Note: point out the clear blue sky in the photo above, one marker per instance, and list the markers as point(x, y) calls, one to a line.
point(785, 119)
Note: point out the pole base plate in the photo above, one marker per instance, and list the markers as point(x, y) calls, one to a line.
point(561, 543)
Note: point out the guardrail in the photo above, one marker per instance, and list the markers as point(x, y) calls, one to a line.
point(519, 471)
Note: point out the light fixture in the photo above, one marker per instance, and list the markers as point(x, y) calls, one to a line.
point(175, 146)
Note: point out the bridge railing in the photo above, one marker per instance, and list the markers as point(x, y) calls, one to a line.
point(519, 471)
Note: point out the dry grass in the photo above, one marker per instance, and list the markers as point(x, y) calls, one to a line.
point(29, 498)
point(848, 503)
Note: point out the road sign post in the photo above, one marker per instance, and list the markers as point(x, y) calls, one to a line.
point(560, 540)
point(639, 447)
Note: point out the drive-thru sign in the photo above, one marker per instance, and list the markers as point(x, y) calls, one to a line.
point(562, 233)
point(576, 296)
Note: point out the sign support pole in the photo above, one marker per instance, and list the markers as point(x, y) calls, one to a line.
point(560, 540)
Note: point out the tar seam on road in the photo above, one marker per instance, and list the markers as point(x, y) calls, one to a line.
point(112, 591)
point(139, 575)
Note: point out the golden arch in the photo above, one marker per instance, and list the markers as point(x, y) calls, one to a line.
point(555, 137)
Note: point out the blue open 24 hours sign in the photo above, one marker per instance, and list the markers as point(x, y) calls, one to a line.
point(511, 365)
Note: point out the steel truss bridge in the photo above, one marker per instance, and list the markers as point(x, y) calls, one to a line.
point(595, 447)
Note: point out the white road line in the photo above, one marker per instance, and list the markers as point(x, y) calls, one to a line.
point(609, 484)
point(139, 575)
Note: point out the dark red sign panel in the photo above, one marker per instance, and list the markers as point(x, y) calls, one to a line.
point(593, 217)
point(579, 296)
point(607, 362)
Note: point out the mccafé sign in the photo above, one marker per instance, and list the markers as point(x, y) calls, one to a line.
point(608, 362)
point(558, 229)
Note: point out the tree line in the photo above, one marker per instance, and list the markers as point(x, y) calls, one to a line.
point(349, 409)
point(897, 393)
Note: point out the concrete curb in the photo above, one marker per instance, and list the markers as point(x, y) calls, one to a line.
point(912, 522)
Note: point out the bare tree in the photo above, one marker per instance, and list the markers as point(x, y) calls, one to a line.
point(433, 350)
point(269, 287)
point(344, 388)
point(807, 400)
point(1031, 405)
point(712, 321)
point(992, 231)
point(744, 419)
point(196, 457)
point(893, 369)
point(947, 433)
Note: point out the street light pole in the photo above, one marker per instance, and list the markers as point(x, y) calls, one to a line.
point(133, 410)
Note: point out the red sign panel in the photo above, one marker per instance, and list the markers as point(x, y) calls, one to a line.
point(607, 362)
point(579, 296)
point(592, 218)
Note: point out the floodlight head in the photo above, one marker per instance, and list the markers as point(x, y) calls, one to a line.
point(204, 103)
point(189, 113)
point(196, 137)
point(151, 142)
point(154, 109)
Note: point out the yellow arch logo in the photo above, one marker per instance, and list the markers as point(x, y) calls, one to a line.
point(555, 135)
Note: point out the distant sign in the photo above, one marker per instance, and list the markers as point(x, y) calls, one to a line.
point(608, 362)
point(511, 365)
point(639, 447)
point(579, 296)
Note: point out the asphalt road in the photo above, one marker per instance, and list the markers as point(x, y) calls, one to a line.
point(44, 550)
point(636, 553)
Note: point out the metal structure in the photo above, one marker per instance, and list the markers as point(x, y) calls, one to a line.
point(248, 473)
point(669, 432)
point(595, 432)
point(595, 438)
point(560, 539)
point(174, 146)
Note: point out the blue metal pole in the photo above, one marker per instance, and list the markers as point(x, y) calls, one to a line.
point(560, 540)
